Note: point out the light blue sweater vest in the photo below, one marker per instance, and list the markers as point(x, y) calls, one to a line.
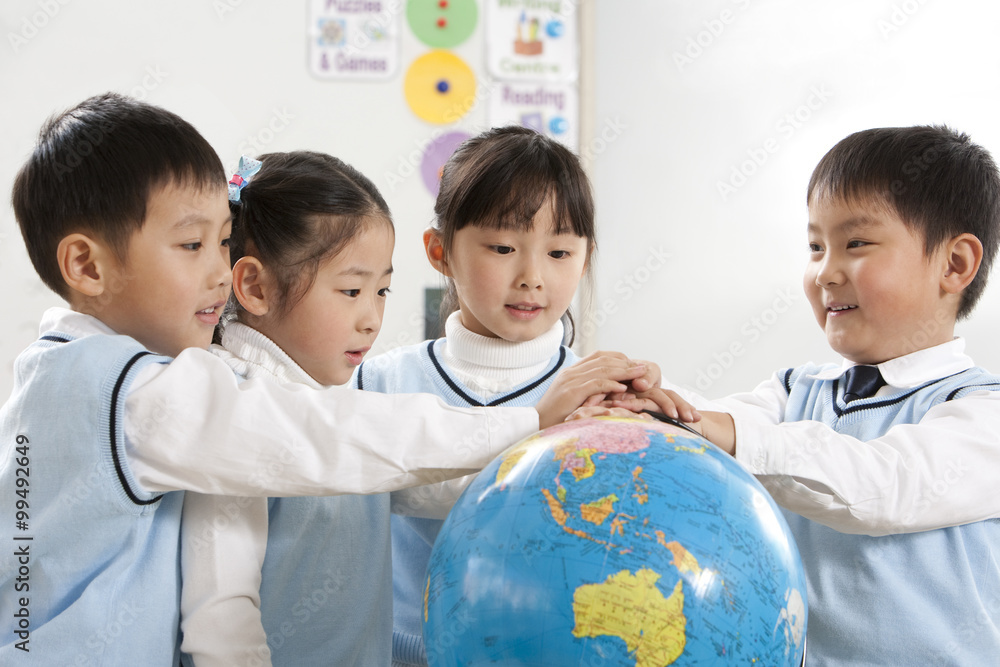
point(419, 369)
point(92, 574)
point(324, 598)
point(913, 599)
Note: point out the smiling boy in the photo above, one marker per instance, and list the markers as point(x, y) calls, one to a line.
point(887, 463)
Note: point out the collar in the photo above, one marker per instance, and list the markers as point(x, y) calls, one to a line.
point(916, 368)
point(72, 323)
point(475, 351)
point(252, 354)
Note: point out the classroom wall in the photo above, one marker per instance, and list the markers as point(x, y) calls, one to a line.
point(703, 279)
point(710, 117)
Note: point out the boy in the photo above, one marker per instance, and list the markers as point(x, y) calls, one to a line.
point(123, 208)
point(887, 462)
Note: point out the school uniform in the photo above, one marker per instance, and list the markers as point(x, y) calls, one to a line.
point(112, 430)
point(465, 369)
point(892, 502)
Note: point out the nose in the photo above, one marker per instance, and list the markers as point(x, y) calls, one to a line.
point(221, 270)
point(370, 317)
point(828, 271)
point(529, 274)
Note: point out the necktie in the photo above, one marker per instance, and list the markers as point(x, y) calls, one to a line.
point(862, 382)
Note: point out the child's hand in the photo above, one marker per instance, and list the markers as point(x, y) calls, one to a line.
point(651, 380)
point(597, 375)
point(666, 401)
point(718, 428)
point(587, 412)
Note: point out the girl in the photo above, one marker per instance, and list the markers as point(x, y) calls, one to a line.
point(312, 246)
point(514, 234)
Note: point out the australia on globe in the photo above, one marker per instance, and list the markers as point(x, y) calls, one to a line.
point(612, 542)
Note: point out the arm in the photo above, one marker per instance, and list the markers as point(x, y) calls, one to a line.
point(189, 425)
point(431, 501)
point(223, 540)
point(937, 473)
point(270, 439)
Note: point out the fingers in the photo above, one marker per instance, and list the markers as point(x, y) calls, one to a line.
point(668, 402)
point(601, 411)
point(612, 365)
point(650, 380)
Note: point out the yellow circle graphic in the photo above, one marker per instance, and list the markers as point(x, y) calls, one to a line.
point(440, 87)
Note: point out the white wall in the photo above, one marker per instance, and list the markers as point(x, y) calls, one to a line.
point(663, 137)
point(676, 128)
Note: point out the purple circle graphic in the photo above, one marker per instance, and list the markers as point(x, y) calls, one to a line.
point(435, 155)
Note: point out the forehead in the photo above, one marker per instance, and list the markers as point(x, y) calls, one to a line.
point(180, 205)
point(369, 252)
point(834, 214)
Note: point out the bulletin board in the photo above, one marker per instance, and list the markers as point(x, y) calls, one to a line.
point(389, 86)
point(461, 66)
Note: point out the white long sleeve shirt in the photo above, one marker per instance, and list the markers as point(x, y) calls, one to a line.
point(224, 538)
point(937, 473)
point(191, 426)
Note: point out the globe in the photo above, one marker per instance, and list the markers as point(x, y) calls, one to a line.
point(614, 542)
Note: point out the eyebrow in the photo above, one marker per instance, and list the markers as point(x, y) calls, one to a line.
point(191, 220)
point(851, 225)
point(364, 273)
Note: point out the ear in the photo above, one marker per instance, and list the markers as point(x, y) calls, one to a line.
point(963, 255)
point(249, 286)
point(435, 251)
point(86, 264)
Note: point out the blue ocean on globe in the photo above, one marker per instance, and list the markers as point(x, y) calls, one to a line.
point(615, 542)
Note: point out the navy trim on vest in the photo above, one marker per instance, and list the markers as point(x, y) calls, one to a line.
point(973, 386)
point(55, 339)
point(854, 407)
point(361, 377)
point(114, 432)
point(788, 381)
point(498, 401)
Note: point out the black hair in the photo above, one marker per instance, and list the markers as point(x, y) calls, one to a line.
point(299, 210)
point(934, 178)
point(93, 171)
point(500, 179)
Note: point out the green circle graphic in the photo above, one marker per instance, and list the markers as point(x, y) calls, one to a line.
point(442, 24)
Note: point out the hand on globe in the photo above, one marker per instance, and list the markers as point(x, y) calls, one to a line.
point(667, 401)
point(598, 374)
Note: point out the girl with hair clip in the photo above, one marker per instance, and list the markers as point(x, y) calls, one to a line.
point(307, 581)
point(513, 234)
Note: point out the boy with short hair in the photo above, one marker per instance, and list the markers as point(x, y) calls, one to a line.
point(887, 462)
point(123, 207)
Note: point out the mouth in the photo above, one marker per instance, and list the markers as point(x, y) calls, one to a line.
point(356, 356)
point(211, 314)
point(524, 311)
point(838, 309)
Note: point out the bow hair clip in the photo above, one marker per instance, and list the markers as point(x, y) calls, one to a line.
point(248, 167)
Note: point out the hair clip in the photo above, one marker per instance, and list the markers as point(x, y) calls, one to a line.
point(248, 167)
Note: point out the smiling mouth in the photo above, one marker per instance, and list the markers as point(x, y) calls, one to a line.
point(840, 309)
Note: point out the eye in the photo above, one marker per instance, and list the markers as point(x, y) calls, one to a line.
point(351, 292)
point(815, 247)
point(559, 254)
point(855, 243)
point(501, 249)
point(384, 291)
point(226, 241)
point(196, 245)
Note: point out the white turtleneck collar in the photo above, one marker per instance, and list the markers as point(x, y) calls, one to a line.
point(252, 354)
point(490, 366)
